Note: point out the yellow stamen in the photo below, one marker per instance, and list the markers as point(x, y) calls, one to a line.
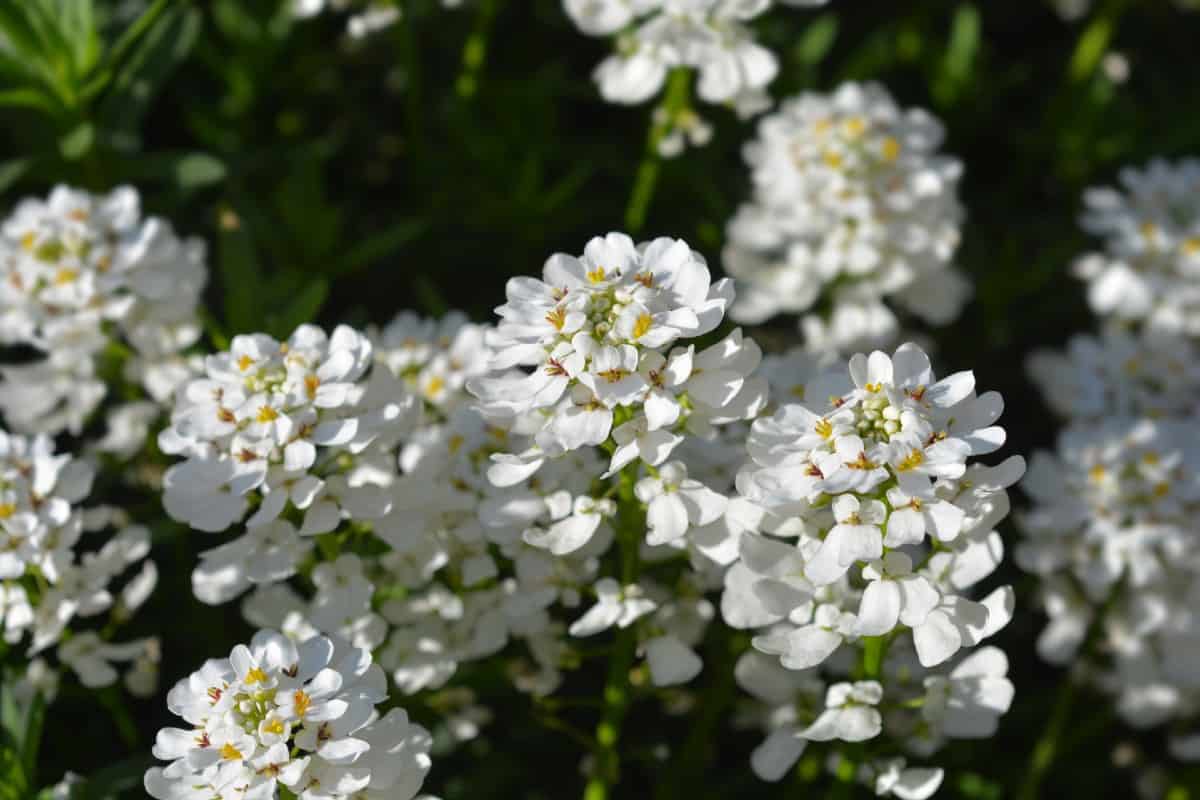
point(1191, 246)
point(302, 702)
point(1097, 473)
point(29, 240)
point(855, 126)
point(832, 159)
point(267, 414)
point(613, 375)
point(1148, 229)
point(557, 318)
point(824, 428)
point(435, 385)
point(311, 384)
point(642, 326)
point(244, 363)
point(456, 442)
point(65, 276)
point(596, 275)
point(256, 675)
point(230, 753)
point(1162, 490)
point(274, 726)
point(911, 461)
point(645, 279)
point(873, 387)
point(890, 148)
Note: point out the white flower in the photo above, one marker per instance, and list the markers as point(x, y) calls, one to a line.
point(297, 715)
point(850, 196)
point(1150, 228)
point(78, 271)
point(675, 502)
point(850, 714)
point(894, 595)
point(615, 605)
point(671, 661)
point(969, 702)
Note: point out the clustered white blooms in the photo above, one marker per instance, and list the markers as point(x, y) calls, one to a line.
point(1149, 270)
point(596, 331)
point(46, 582)
point(1109, 533)
point(84, 277)
point(269, 422)
point(852, 205)
point(285, 714)
point(653, 37)
point(864, 530)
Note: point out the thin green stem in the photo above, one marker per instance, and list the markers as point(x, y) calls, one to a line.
point(474, 53)
point(631, 525)
point(675, 101)
point(1047, 747)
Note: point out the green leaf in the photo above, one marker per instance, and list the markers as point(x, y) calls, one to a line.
point(303, 307)
point(78, 143)
point(138, 78)
point(35, 718)
point(961, 51)
point(12, 171)
point(78, 23)
point(28, 97)
point(817, 40)
point(379, 245)
point(240, 274)
point(186, 171)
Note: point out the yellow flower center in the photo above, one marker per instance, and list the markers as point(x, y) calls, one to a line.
point(267, 414)
point(274, 726)
point(7, 510)
point(613, 375)
point(302, 702)
point(256, 675)
point(311, 384)
point(642, 326)
point(230, 753)
point(1097, 473)
point(824, 428)
point(911, 461)
point(435, 385)
point(557, 318)
point(65, 276)
point(890, 148)
point(596, 275)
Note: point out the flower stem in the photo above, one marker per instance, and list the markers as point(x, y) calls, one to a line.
point(630, 529)
point(475, 51)
point(1047, 747)
point(676, 99)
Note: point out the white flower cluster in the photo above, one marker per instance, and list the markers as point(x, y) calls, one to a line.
point(270, 421)
point(285, 714)
point(653, 37)
point(46, 583)
point(596, 332)
point(82, 275)
point(852, 205)
point(1109, 534)
point(865, 528)
point(1149, 269)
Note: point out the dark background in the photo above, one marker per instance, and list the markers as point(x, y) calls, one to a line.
point(344, 182)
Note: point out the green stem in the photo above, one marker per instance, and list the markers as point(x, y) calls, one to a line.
point(1047, 747)
point(475, 51)
point(617, 690)
point(676, 100)
point(874, 649)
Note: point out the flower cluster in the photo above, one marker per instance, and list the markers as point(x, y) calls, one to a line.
point(852, 205)
point(84, 278)
point(285, 714)
point(654, 37)
point(1149, 268)
point(268, 421)
point(596, 332)
point(871, 528)
point(46, 582)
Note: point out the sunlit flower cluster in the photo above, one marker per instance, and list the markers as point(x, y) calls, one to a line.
point(852, 205)
point(47, 580)
point(279, 713)
point(94, 286)
point(596, 331)
point(1149, 269)
point(653, 37)
point(872, 529)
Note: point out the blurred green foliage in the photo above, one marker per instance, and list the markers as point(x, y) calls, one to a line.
point(420, 168)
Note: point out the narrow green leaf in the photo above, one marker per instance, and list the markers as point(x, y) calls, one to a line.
point(817, 40)
point(27, 97)
point(240, 274)
point(379, 246)
point(111, 782)
point(35, 718)
point(78, 142)
point(139, 77)
point(12, 171)
point(303, 307)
